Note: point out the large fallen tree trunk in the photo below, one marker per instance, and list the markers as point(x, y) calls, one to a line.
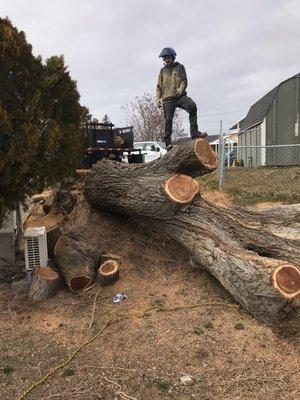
point(250, 264)
point(257, 268)
point(160, 189)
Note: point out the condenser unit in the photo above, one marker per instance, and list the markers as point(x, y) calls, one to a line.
point(36, 252)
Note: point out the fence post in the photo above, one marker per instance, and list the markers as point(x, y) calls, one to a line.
point(221, 158)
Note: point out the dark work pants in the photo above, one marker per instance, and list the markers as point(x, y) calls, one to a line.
point(187, 104)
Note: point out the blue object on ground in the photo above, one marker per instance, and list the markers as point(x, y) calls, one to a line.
point(119, 297)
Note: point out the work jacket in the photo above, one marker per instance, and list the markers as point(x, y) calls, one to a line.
point(171, 83)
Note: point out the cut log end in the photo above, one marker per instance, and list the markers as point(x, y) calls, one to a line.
point(108, 273)
point(181, 189)
point(286, 279)
point(83, 171)
point(46, 273)
point(79, 283)
point(205, 153)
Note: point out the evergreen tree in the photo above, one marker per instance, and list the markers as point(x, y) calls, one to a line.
point(106, 119)
point(85, 115)
point(40, 137)
point(62, 141)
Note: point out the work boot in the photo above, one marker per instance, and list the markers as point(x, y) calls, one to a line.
point(168, 143)
point(197, 135)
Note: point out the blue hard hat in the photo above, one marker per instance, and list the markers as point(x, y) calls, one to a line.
point(168, 51)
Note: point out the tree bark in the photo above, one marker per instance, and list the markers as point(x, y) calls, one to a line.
point(239, 254)
point(144, 189)
point(77, 262)
point(242, 259)
point(128, 192)
point(194, 158)
point(45, 284)
point(53, 235)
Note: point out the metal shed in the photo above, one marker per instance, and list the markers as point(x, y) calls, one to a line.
point(272, 121)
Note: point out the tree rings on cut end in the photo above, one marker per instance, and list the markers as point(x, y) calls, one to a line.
point(118, 141)
point(46, 273)
point(205, 153)
point(108, 273)
point(286, 279)
point(181, 188)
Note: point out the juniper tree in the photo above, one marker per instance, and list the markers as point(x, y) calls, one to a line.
point(40, 139)
point(106, 119)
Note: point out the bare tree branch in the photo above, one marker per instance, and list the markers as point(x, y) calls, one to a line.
point(148, 120)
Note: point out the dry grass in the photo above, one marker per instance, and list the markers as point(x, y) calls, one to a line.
point(248, 186)
point(143, 354)
point(155, 336)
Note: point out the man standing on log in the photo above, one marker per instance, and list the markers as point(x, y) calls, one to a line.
point(171, 93)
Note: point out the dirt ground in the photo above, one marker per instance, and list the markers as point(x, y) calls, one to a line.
point(176, 321)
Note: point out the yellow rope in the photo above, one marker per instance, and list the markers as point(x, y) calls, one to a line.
point(202, 304)
point(62, 365)
point(75, 352)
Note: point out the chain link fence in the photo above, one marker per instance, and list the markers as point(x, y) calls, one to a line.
point(260, 172)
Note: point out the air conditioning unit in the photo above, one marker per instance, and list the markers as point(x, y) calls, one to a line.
point(36, 251)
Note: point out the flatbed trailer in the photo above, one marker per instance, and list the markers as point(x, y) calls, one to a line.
point(111, 143)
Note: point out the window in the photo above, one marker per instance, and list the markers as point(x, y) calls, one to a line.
point(138, 146)
point(150, 147)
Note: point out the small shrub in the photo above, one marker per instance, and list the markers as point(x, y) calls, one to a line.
point(162, 385)
point(239, 326)
point(7, 370)
point(68, 372)
point(208, 326)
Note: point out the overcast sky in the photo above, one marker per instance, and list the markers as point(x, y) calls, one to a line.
point(234, 51)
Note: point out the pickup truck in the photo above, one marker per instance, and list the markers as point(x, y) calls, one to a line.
point(150, 150)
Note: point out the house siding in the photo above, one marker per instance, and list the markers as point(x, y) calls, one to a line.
point(251, 137)
point(281, 125)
